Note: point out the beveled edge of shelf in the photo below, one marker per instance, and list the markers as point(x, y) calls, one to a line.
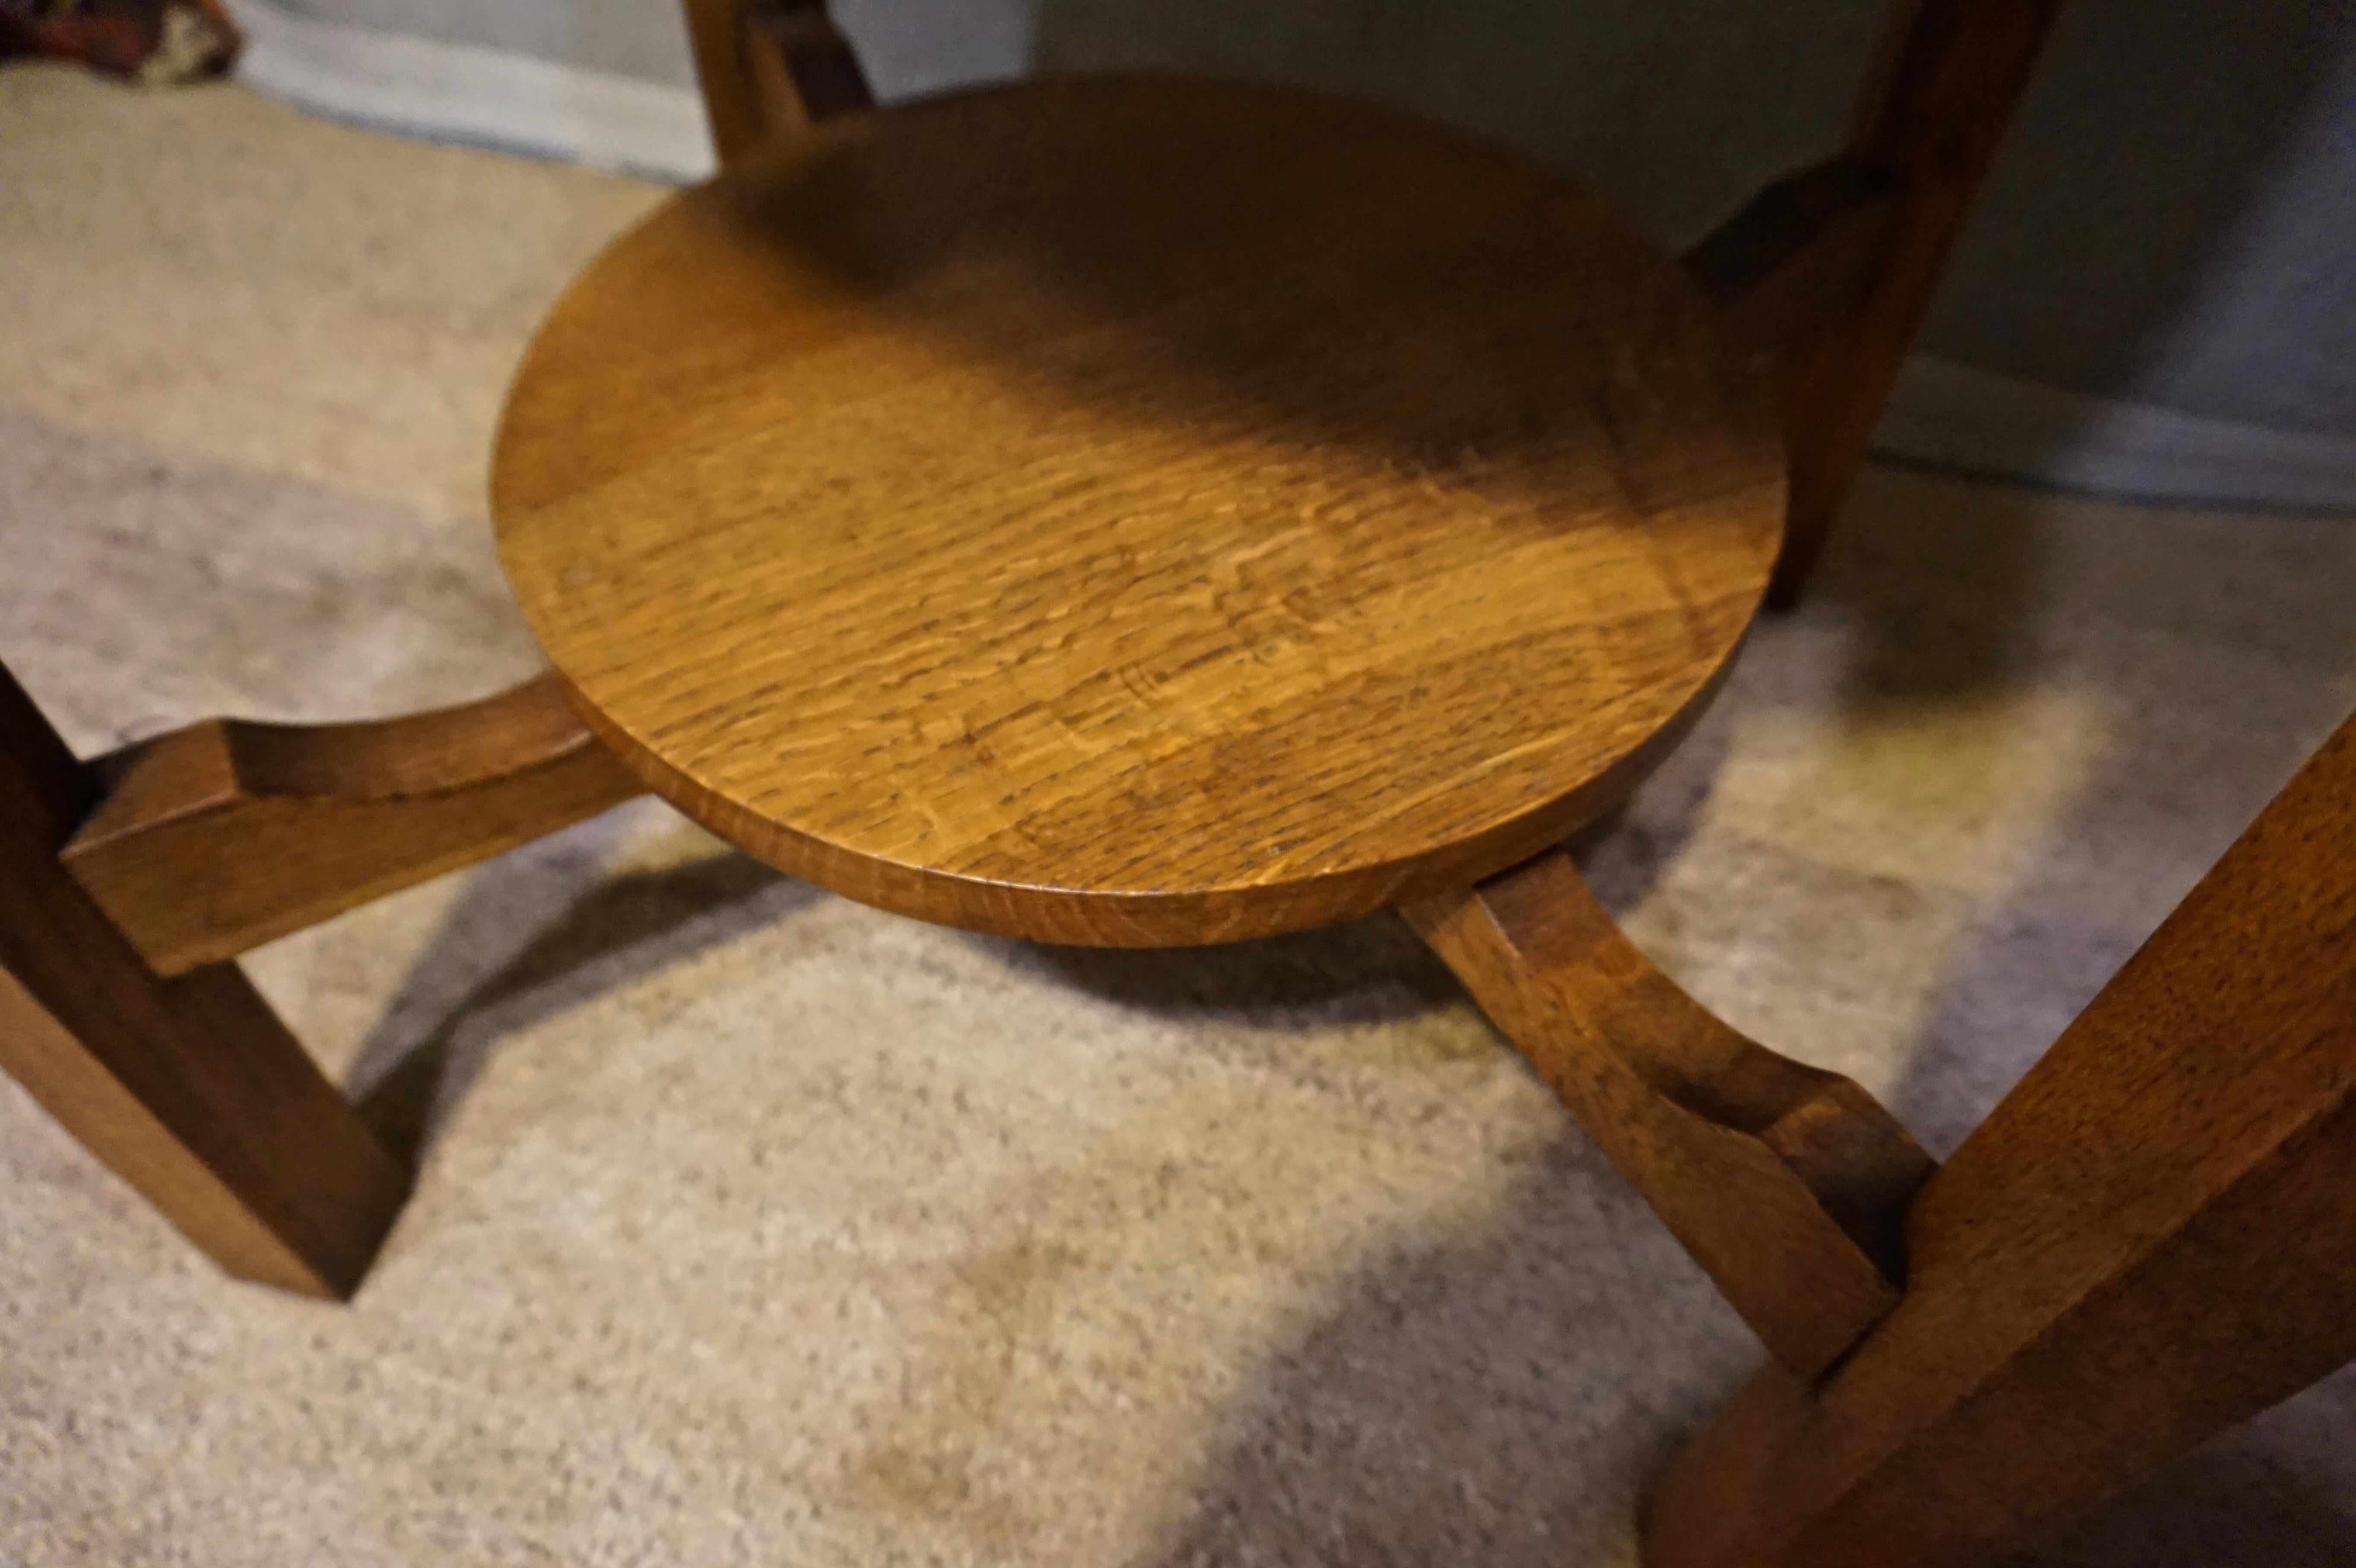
point(1188, 917)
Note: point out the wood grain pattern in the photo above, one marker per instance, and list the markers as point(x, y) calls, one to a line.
point(216, 839)
point(2148, 1240)
point(1930, 120)
point(768, 68)
point(1786, 1183)
point(190, 1089)
point(1137, 511)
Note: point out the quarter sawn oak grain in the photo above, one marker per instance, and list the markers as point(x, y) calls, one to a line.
point(1137, 511)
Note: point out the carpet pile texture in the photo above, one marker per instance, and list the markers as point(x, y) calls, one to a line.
point(756, 1226)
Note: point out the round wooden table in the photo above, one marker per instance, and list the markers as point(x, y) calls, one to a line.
point(1138, 511)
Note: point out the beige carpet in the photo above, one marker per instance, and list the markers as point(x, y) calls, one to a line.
point(759, 1227)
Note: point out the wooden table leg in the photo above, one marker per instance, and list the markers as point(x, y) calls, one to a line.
point(1932, 114)
point(2149, 1239)
point(1786, 1183)
point(190, 1089)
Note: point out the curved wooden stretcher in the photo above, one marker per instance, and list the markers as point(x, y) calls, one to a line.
point(937, 538)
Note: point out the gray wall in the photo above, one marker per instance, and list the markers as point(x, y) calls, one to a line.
point(2175, 220)
point(2172, 223)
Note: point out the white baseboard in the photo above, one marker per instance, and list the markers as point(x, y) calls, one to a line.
point(1942, 412)
point(456, 92)
point(1957, 416)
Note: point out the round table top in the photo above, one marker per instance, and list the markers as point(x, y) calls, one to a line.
point(1137, 510)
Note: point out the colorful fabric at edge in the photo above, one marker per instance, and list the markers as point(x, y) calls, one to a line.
point(147, 40)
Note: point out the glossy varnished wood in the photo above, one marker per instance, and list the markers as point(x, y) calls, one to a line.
point(213, 839)
point(1786, 1183)
point(2148, 1240)
point(1139, 510)
point(189, 1088)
